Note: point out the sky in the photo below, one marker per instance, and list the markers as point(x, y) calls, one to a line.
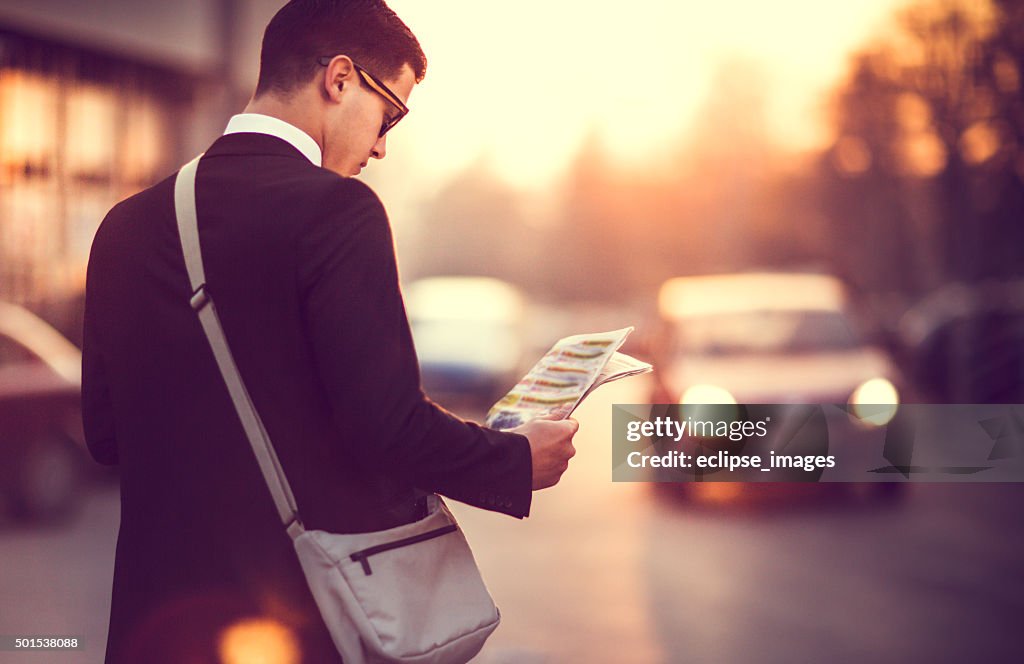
point(519, 85)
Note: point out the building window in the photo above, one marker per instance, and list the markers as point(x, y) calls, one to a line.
point(79, 131)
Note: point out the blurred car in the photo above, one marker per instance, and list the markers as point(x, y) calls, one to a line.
point(41, 436)
point(964, 343)
point(469, 336)
point(770, 338)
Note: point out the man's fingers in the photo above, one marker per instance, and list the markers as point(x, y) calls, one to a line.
point(551, 442)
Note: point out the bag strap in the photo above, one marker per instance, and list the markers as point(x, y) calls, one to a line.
point(202, 303)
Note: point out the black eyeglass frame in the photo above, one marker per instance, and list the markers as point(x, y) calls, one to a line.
point(377, 86)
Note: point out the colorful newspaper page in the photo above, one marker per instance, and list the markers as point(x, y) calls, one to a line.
point(572, 369)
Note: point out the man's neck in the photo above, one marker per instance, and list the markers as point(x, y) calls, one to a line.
point(290, 112)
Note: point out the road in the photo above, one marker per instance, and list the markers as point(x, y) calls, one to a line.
point(606, 572)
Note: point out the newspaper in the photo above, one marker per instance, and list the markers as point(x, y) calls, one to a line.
point(573, 368)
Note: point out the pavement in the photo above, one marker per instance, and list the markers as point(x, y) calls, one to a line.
point(612, 572)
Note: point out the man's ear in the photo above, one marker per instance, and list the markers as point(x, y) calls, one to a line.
point(340, 74)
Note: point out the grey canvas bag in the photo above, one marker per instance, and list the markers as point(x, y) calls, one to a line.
point(412, 593)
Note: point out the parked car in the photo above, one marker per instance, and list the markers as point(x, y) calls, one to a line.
point(41, 436)
point(469, 336)
point(964, 343)
point(770, 338)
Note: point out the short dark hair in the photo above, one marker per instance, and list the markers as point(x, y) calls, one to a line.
point(367, 31)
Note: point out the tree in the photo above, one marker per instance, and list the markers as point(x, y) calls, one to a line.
point(926, 161)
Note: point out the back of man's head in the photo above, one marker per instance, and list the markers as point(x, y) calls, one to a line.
point(302, 31)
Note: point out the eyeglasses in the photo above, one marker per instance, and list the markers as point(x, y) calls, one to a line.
point(377, 86)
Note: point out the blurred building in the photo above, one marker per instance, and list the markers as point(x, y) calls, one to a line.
point(98, 101)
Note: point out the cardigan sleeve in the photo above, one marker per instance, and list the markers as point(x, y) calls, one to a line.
point(356, 323)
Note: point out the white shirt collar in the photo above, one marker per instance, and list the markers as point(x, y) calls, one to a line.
point(257, 123)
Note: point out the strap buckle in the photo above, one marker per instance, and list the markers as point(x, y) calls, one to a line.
point(199, 298)
point(296, 527)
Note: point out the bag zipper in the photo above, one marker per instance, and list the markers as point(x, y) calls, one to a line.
point(363, 555)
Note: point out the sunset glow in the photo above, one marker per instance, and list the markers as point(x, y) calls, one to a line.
point(524, 83)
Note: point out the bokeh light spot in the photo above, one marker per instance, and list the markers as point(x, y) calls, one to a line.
point(258, 641)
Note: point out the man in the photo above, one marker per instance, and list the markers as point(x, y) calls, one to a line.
point(301, 264)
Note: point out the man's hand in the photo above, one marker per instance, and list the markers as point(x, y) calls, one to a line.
point(551, 447)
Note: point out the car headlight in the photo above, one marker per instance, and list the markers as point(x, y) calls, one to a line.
point(709, 402)
point(707, 394)
point(875, 401)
